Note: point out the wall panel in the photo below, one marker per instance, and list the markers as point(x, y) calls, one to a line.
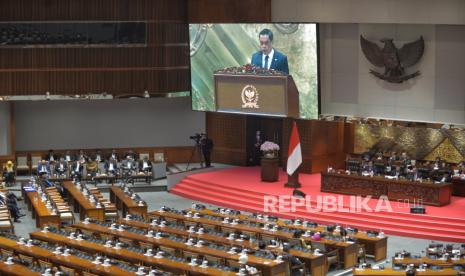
point(162, 66)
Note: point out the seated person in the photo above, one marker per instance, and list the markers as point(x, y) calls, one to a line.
point(10, 200)
point(393, 157)
point(43, 168)
point(111, 167)
point(367, 168)
point(293, 260)
point(145, 166)
point(77, 168)
point(82, 155)
point(51, 156)
point(263, 251)
point(128, 165)
point(61, 167)
point(69, 157)
point(9, 173)
point(99, 156)
point(113, 155)
point(461, 167)
point(92, 167)
point(131, 154)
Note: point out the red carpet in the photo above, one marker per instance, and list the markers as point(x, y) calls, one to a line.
point(241, 188)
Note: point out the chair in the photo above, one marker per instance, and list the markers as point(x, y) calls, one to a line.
point(35, 159)
point(22, 164)
point(26, 258)
point(67, 270)
point(233, 264)
point(169, 250)
point(267, 238)
point(6, 253)
point(159, 157)
point(331, 256)
point(214, 260)
point(44, 264)
point(190, 255)
point(361, 253)
point(143, 155)
point(132, 242)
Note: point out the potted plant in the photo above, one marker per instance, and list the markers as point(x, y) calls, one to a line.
point(269, 149)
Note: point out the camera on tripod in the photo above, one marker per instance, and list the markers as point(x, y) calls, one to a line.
point(196, 137)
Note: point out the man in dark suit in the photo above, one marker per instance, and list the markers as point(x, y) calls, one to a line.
point(43, 168)
point(51, 156)
point(207, 146)
point(77, 169)
point(268, 57)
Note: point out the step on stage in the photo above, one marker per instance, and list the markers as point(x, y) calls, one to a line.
point(242, 189)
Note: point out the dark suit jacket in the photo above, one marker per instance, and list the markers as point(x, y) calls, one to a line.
point(141, 165)
point(279, 61)
point(81, 167)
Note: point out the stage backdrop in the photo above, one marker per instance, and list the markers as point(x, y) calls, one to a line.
point(419, 143)
point(217, 46)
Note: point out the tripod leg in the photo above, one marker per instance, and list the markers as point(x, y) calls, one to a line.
point(190, 159)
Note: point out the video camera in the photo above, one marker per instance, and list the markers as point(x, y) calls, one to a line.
point(197, 137)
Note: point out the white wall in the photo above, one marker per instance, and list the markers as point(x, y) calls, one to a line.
point(42, 125)
point(370, 11)
point(437, 95)
point(5, 128)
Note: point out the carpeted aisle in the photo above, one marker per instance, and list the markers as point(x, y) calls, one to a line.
point(241, 188)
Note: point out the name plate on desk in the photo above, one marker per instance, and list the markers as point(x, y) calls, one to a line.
point(273, 95)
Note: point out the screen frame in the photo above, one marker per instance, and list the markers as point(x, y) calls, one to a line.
point(317, 28)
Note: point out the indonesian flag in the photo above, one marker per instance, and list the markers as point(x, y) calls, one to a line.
point(294, 158)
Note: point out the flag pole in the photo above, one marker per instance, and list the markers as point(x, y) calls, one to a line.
point(294, 159)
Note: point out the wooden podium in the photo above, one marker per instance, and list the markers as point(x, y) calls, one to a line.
point(267, 93)
point(270, 169)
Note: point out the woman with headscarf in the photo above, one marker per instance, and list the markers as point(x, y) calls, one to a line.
point(9, 173)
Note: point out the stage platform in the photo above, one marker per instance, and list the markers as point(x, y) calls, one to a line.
point(241, 188)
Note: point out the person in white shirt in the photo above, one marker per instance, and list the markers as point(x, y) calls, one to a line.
point(61, 167)
point(111, 166)
point(145, 166)
point(77, 168)
point(43, 168)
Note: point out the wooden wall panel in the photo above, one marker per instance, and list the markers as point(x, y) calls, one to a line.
point(229, 11)
point(322, 144)
point(228, 133)
point(159, 67)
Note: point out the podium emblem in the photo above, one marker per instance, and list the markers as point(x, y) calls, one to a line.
point(249, 97)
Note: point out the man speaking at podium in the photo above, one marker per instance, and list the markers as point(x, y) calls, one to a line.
point(268, 57)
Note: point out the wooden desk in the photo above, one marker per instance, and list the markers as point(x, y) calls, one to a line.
point(42, 215)
point(458, 186)
point(317, 264)
point(16, 270)
point(68, 261)
point(127, 255)
point(81, 204)
point(428, 261)
point(373, 245)
point(125, 203)
point(348, 251)
point(415, 192)
point(391, 272)
point(268, 267)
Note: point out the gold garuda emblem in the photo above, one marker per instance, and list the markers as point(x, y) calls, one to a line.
point(249, 97)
